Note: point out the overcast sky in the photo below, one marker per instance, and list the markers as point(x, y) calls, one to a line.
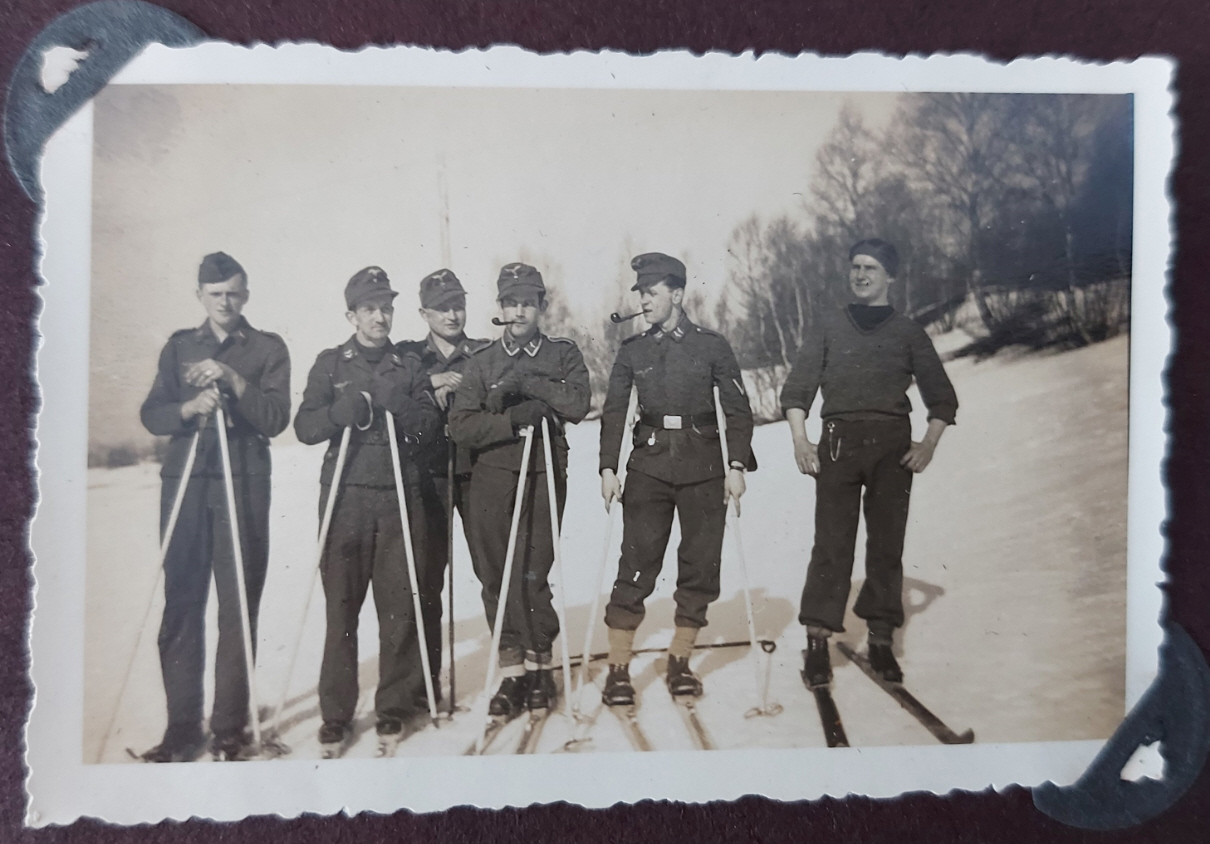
point(306, 185)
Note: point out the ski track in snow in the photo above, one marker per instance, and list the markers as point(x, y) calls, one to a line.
point(1014, 584)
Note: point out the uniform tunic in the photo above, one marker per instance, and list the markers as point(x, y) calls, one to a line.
point(673, 469)
point(864, 368)
point(201, 541)
point(551, 370)
point(365, 539)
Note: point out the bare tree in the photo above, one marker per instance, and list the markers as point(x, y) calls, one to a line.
point(955, 146)
point(848, 167)
point(1054, 133)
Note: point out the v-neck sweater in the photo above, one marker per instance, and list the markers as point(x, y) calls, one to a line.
point(865, 374)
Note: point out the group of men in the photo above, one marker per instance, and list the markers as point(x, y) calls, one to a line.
point(445, 419)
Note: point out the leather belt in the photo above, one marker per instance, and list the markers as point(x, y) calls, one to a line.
point(676, 423)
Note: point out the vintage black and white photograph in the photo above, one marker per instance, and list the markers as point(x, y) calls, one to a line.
point(607, 424)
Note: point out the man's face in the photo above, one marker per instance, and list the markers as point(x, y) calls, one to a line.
point(523, 310)
point(372, 321)
point(448, 320)
point(224, 301)
point(658, 301)
point(869, 280)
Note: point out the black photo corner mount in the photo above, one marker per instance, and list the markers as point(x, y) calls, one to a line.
point(1174, 711)
point(112, 32)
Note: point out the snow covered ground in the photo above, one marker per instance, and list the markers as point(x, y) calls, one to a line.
point(1015, 587)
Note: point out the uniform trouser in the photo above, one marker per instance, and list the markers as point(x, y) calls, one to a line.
point(853, 455)
point(436, 549)
point(647, 509)
point(202, 544)
point(365, 545)
point(530, 623)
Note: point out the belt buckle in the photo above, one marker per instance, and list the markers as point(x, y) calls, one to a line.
point(672, 423)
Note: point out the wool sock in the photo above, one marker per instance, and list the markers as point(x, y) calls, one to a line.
point(620, 644)
point(682, 642)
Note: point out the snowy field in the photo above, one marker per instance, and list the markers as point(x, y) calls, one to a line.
point(1015, 584)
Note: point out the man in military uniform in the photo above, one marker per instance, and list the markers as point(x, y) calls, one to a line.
point(443, 354)
point(351, 386)
point(515, 383)
point(864, 358)
point(676, 466)
point(223, 362)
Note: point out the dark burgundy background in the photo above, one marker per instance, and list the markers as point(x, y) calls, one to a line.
point(1095, 29)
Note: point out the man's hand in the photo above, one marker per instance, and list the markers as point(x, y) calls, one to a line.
point(203, 404)
point(508, 386)
point(447, 381)
point(350, 410)
point(735, 486)
point(806, 455)
point(611, 487)
point(529, 413)
point(391, 389)
point(919, 456)
point(211, 371)
point(442, 395)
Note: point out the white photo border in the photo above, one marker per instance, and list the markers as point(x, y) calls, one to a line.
point(62, 788)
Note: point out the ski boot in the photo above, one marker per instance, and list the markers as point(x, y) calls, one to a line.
point(618, 689)
point(390, 733)
point(334, 739)
point(817, 664)
point(176, 747)
point(681, 679)
point(883, 663)
point(510, 698)
point(232, 747)
point(542, 689)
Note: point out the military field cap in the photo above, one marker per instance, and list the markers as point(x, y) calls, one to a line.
point(519, 278)
point(218, 267)
point(368, 284)
point(654, 267)
point(881, 251)
point(436, 289)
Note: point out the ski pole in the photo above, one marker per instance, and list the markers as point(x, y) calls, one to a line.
point(411, 559)
point(170, 528)
point(325, 523)
point(762, 707)
point(449, 561)
point(556, 542)
point(631, 410)
point(509, 556)
point(220, 422)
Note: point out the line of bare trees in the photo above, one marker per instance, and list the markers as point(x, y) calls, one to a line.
point(1011, 213)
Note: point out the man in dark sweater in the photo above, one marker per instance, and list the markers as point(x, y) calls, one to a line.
point(863, 359)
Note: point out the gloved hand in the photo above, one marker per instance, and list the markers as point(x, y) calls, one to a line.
point(530, 412)
point(502, 391)
point(350, 410)
point(392, 389)
point(536, 387)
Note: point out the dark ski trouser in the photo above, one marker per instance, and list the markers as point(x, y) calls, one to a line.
point(530, 623)
point(365, 545)
point(201, 545)
point(854, 455)
point(647, 509)
point(436, 548)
